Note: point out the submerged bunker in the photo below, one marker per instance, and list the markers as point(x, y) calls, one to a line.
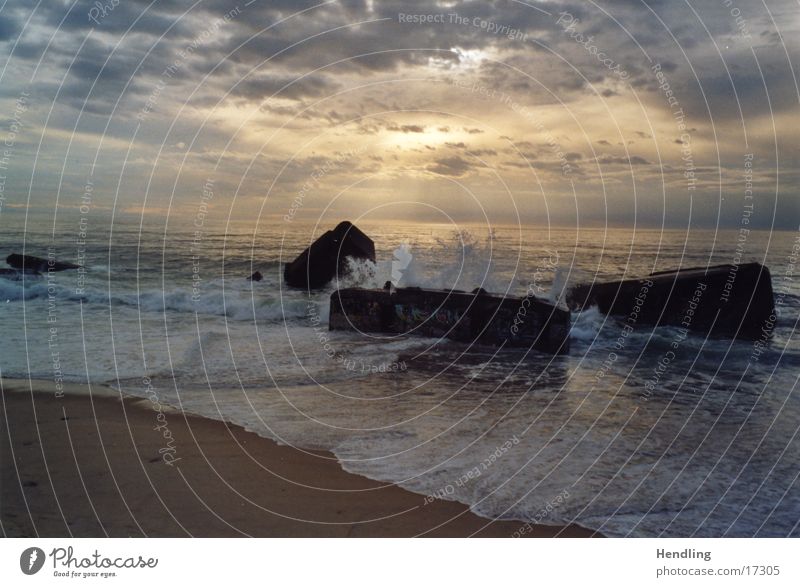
point(476, 317)
point(724, 300)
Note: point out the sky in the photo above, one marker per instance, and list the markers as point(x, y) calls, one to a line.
point(630, 113)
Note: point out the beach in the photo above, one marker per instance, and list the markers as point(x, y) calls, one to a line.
point(83, 462)
point(618, 435)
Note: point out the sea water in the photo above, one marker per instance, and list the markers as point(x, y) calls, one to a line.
point(652, 433)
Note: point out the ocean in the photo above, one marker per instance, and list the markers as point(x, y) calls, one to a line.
point(626, 438)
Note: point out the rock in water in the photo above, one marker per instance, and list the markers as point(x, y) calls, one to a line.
point(726, 300)
point(256, 276)
point(326, 257)
point(31, 263)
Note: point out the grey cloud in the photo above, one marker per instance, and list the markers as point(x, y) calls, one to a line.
point(450, 166)
point(8, 28)
point(263, 85)
point(393, 47)
point(612, 160)
point(141, 18)
point(406, 128)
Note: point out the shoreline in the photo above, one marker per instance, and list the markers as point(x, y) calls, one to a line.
point(106, 468)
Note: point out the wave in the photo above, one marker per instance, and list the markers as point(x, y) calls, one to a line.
point(586, 325)
point(461, 260)
point(234, 304)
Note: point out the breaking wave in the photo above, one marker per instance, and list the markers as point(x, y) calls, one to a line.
point(234, 304)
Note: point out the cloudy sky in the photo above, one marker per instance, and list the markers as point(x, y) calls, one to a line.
point(612, 112)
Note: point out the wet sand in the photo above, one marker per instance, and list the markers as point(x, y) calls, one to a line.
point(95, 465)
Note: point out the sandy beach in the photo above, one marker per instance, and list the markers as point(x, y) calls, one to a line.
point(94, 465)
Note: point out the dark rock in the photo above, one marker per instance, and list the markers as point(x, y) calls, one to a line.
point(466, 317)
point(724, 300)
point(31, 263)
point(326, 257)
point(256, 276)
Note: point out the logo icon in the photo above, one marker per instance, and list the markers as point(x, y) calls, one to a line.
point(31, 560)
